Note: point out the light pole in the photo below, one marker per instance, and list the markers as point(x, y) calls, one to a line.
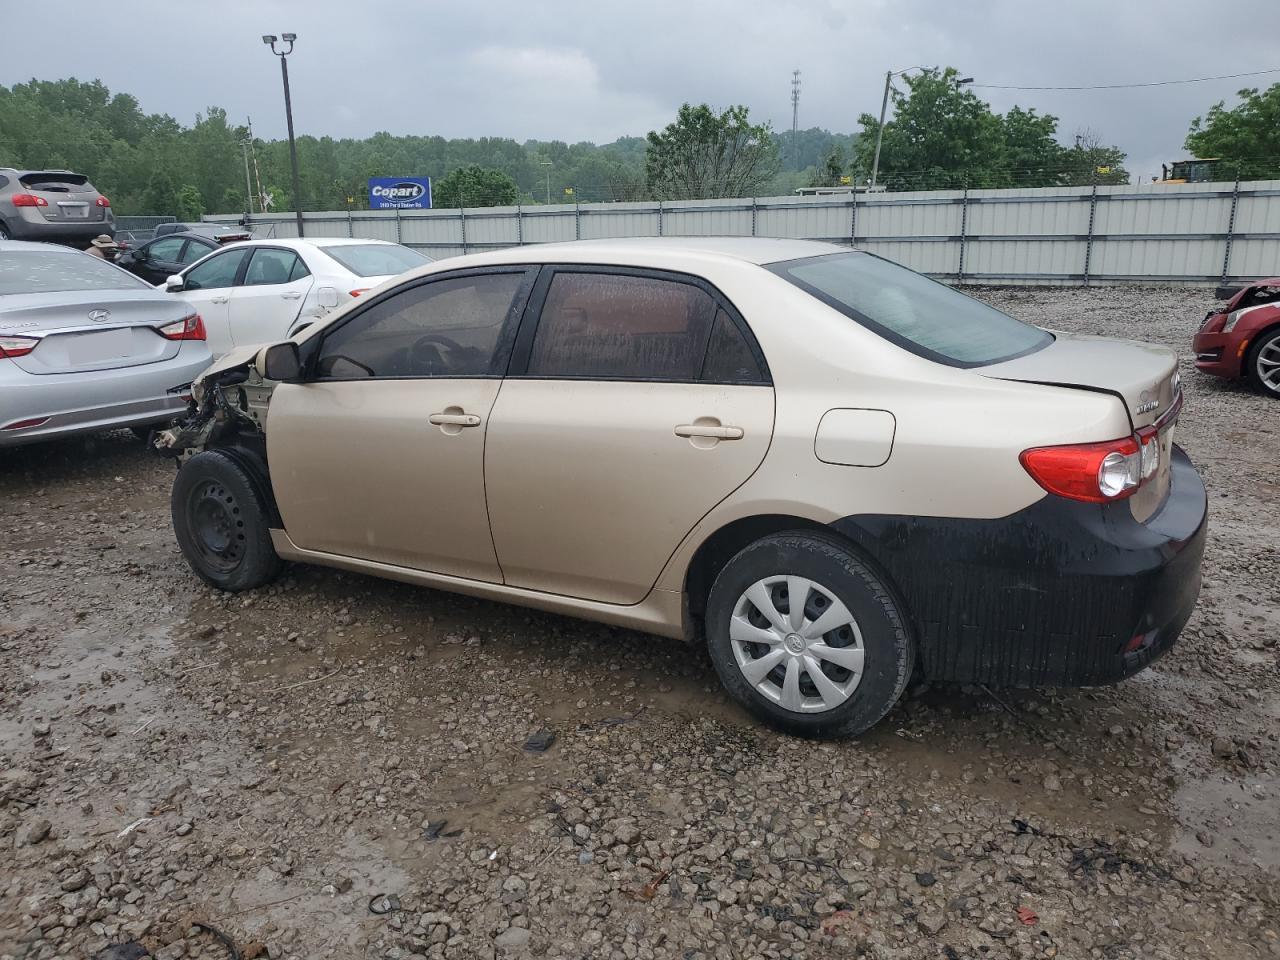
point(884, 104)
point(289, 38)
point(548, 165)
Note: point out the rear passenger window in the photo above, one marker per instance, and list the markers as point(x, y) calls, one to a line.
point(729, 356)
point(445, 328)
point(271, 266)
point(621, 327)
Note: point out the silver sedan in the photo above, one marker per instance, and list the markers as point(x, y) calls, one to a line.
point(86, 346)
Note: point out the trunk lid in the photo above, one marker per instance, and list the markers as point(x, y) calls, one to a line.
point(71, 198)
point(1140, 374)
point(91, 330)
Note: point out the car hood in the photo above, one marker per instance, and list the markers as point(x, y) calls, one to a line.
point(1143, 375)
point(232, 360)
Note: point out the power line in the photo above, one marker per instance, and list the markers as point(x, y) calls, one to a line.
point(1127, 86)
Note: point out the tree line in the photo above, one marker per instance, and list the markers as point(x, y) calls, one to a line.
point(940, 135)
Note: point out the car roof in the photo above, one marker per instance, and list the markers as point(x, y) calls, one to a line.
point(294, 243)
point(14, 246)
point(621, 251)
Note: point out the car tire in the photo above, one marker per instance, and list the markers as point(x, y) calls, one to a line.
point(4, 232)
point(744, 640)
point(1266, 349)
point(223, 524)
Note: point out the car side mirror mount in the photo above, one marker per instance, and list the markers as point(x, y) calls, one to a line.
point(280, 361)
point(174, 284)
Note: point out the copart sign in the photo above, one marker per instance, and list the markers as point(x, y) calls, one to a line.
point(400, 193)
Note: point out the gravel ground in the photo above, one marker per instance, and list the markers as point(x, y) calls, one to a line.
point(276, 764)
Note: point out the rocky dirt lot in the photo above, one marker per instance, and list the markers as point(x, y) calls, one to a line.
point(336, 766)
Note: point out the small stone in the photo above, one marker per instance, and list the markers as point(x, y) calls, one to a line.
point(512, 939)
point(41, 730)
point(585, 857)
point(1223, 748)
point(75, 881)
point(869, 841)
point(184, 829)
point(926, 879)
point(931, 921)
point(36, 831)
point(1052, 783)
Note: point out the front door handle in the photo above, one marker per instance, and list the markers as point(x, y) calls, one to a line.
point(218, 299)
point(709, 431)
point(291, 295)
point(455, 419)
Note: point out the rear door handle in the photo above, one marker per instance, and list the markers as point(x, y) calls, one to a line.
point(218, 299)
point(455, 419)
point(711, 432)
point(291, 295)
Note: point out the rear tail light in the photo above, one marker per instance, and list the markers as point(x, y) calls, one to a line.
point(28, 200)
point(188, 328)
point(359, 290)
point(17, 346)
point(102, 202)
point(1096, 472)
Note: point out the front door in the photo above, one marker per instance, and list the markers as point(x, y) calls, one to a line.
point(207, 287)
point(638, 403)
point(379, 454)
point(265, 304)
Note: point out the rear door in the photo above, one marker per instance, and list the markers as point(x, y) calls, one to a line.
point(267, 301)
point(637, 403)
point(207, 286)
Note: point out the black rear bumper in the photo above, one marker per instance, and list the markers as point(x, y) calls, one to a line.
point(1061, 593)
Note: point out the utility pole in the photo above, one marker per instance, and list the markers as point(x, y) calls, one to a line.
point(289, 38)
point(795, 114)
point(248, 184)
point(547, 164)
point(257, 173)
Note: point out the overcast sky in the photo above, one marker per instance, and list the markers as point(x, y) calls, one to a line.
point(582, 70)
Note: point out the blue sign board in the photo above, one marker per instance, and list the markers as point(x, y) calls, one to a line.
point(400, 193)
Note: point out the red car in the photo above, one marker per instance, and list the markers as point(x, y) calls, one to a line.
point(1242, 339)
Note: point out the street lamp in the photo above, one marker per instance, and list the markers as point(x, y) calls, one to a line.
point(548, 165)
point(288, 38)
point(884, 104)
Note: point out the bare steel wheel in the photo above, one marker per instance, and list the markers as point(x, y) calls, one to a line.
point(222, 523)
point(797, 644)
point(807, 636)
point(1264, 363)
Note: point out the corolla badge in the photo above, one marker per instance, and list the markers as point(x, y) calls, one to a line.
point(1146, 403)
point(99, 316)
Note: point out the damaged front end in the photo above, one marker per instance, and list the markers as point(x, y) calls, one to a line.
point(228, 408)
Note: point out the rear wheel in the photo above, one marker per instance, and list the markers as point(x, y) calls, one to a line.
point(807, 637)
point(222, 524)
point(4, 232)
point(1263, 368)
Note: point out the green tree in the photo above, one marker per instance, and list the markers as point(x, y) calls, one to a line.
point(161, 196)
point(190, 204)
point(1092, 161)
point(475, 186)
point(705, 154)
point(831, 170)
point(1247, 136)
point(940, 136)
point(1032, 155)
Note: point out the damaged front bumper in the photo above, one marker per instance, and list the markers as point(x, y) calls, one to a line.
point(228, 401)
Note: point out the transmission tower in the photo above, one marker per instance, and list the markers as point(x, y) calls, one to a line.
point(795, 114)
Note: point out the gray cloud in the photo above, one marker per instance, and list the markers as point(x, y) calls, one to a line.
point(576, 70)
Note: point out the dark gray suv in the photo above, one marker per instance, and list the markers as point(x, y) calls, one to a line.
point(55, 205)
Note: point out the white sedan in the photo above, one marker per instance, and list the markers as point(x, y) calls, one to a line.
point(261, 291)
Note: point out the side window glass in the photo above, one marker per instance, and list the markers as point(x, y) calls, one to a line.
point(446, 328)
point(270, 266)
point(195, 250)
point(299, 270)
point(167, 250)
point(616, 326)
point(729, 357)
point(216, 272)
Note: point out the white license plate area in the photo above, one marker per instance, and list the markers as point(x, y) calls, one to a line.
point(74, 211)
point(99, 346)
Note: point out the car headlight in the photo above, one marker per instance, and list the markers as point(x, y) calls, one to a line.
point(1230, 323)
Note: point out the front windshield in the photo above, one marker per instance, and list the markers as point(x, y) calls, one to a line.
point(923, 316)
point(38, 271)
point(376, 259)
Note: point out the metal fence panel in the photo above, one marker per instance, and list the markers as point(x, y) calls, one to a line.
point(1167, 233)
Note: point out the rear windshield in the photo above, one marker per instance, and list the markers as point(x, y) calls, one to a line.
point(921, 315)
point(56, 182)
point(34, 271)
point(376, 259)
